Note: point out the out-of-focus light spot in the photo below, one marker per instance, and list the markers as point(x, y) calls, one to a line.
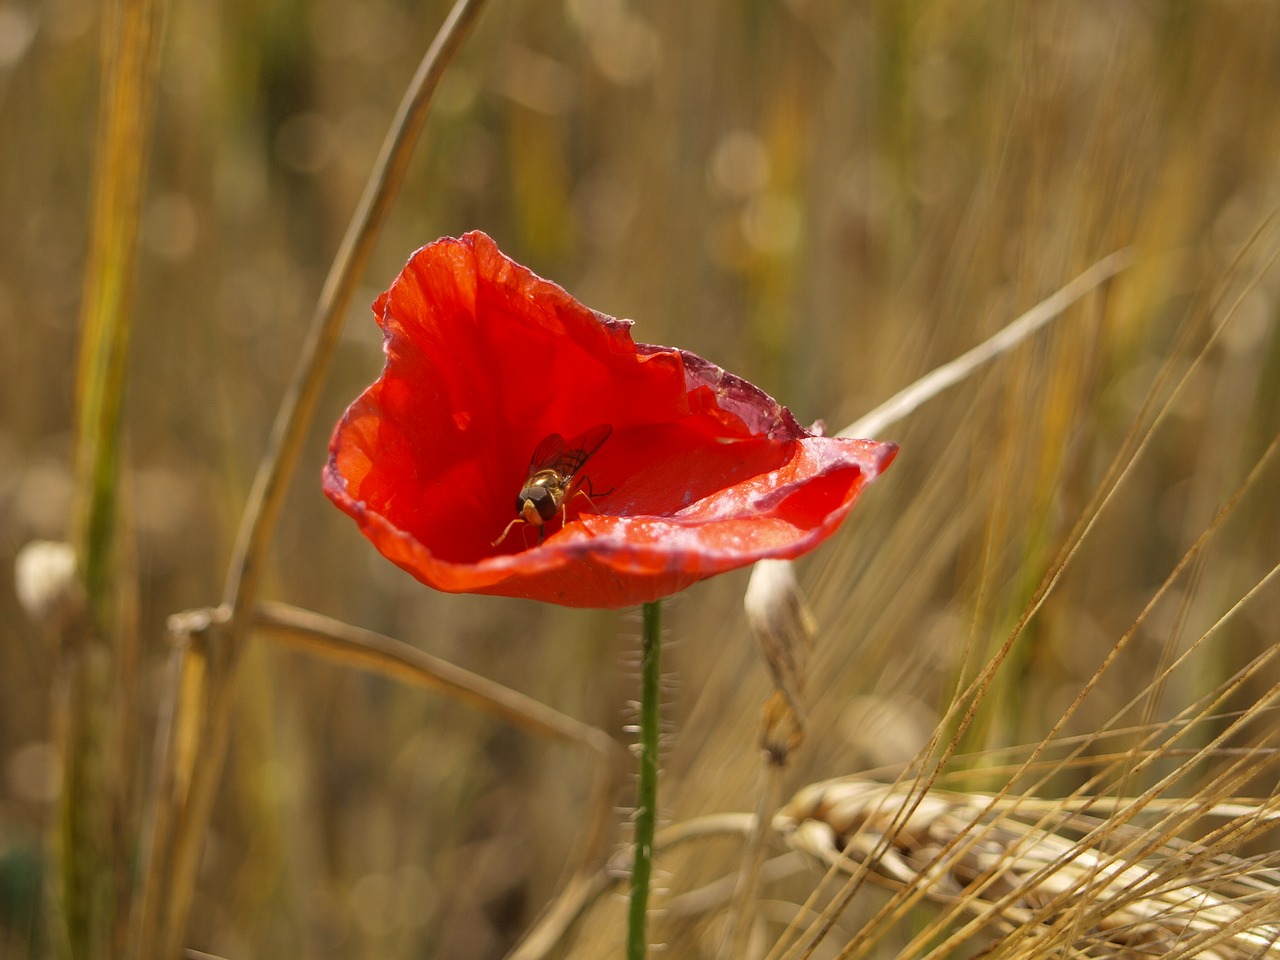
point(33, 773)
point(192, 63)
point(415, 896)
point(629, 54)
point(67, 20)
point(739, 164)
point(304, 142)
point(277, 783)
point(534, 80)
point(624, 47)
point(864, 188)
point(1236, 220)
point(17, 30)
point(1251, 323)
point(591, 16)
point(372, 904)
point(170, 226)
point(771, 223)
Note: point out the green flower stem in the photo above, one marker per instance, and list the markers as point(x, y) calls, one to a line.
point(647, 797)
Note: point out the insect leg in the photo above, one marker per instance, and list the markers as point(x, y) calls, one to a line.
point(592, 489)
point(507, 530)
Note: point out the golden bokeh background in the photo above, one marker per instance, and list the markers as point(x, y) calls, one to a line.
point(828, 197)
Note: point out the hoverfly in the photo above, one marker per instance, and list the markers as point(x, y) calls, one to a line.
point(553, 479)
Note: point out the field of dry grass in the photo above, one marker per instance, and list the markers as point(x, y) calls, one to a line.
point(1053, 614)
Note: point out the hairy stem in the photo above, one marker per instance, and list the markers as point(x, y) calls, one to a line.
point(647, 796)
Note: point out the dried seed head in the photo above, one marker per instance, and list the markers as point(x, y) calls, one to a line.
point(781, 623)
point(1017, 875)
point(783, 629)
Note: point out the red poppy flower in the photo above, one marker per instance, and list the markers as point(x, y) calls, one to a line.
point(692, 471)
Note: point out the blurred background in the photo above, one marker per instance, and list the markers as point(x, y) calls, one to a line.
point(828, 197)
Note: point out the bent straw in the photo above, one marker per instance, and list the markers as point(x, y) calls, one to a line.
point(910, 398)
point(1132, 448)
point(774, 602)
point(207, 670)
point(360, 649)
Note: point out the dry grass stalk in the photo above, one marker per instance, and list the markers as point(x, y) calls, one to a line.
point(1128, 882)
point(1139, 831)
point(1037, 888)
point(174, 859)
point(359, 649)
point(783, 628)
point(1163, 164)
point(780, 620)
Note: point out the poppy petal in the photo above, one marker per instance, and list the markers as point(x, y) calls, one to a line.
point(701, 471)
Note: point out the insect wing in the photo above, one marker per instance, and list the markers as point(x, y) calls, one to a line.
point(547, 454)
point(579, 450)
